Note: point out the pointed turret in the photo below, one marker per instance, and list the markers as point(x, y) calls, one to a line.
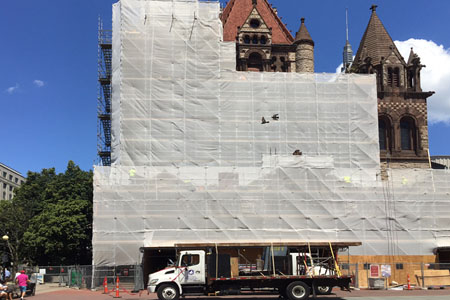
point(376, 42)
point(304, 56)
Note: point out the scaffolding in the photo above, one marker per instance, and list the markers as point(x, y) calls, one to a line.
point(104, 95)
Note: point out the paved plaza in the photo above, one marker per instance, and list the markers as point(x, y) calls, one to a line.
point(54, 292)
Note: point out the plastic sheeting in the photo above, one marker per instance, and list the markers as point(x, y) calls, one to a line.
point(193, 161)
point(159, 206)
point(181, 103)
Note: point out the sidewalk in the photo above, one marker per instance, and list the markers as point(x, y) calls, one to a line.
point(49, 287)
point(52, 291)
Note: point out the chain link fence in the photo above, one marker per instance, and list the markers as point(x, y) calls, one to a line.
point(373, 275)
point(93, 277)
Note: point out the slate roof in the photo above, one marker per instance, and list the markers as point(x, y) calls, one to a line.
point(376, 41)
point(303, 34)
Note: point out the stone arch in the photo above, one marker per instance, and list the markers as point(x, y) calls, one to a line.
point(255, 62)
point(386, 132)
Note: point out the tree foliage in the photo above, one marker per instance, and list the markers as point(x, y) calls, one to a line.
point(50, 217)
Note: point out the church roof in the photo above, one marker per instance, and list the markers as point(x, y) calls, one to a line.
point(303, 34)
point(376, 41)
point(237, 11)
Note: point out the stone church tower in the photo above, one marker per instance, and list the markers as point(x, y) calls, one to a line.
point(402, 105)
point(263, 43)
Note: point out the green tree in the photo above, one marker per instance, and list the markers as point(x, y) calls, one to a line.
point(50, 217)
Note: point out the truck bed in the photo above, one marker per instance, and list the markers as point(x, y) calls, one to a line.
point(279, 277)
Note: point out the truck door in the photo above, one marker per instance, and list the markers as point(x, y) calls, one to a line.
point(193, 268)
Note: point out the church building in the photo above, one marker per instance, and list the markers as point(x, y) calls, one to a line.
point(264, 44)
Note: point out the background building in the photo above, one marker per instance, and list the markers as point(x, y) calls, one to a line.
point(10, 179)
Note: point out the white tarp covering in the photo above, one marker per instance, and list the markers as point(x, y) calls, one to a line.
point(193, 162)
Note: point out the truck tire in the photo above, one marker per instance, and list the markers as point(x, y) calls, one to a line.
point(324, 290)
point(297, 290)
point(168, 292)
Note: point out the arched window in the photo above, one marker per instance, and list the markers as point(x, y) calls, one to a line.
point(408, 135)
point(255, 63)
point(255, 39)
point(384, 133)
point(263, 40)
point(247, 39)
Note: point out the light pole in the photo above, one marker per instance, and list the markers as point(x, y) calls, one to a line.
point(5, 238)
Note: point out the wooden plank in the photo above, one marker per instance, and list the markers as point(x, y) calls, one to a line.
point(267, 244)
point(234, 262)
point(433, 277)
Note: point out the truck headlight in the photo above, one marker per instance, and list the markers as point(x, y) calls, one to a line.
point(153, 281)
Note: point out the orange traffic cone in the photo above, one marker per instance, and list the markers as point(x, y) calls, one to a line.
point(409, 283)
point(117, 288)
point(105, 286)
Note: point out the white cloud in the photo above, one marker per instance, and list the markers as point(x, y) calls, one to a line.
point(38, 83)
point(435, 77)
point(339, 68)
point(12, 89)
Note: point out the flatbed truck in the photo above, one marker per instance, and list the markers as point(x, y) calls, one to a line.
point(208, 272)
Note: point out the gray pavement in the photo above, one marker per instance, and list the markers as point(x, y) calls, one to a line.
point(53, 291)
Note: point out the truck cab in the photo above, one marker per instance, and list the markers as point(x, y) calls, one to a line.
point(188, 273)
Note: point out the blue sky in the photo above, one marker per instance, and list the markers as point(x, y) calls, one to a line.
point(48, 69)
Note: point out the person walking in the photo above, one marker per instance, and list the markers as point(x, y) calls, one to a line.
point(22, 281)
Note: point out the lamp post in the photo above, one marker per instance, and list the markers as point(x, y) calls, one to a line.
point(5, 238)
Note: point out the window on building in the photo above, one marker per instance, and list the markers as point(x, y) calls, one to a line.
point(4, 174)
point(21, 182)
point(16, 180)
point(408, 134)
point(255, 62)
point(10, 177)
point(10, 196)
point(410, 79)
point(283, 66)
point(389, 79)
point(11, 188)
point(255, 23)
point(247, 39)
point(263, 40)
point(5, 185)
point(396, 77)
point(384, 133)
point(255, 39)
point(393, 79)
point(4, 196)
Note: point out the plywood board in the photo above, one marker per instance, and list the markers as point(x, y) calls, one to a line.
point(433, 277)
point(234, 262)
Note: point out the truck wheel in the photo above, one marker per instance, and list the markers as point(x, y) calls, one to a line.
point(324, 290)
point(297, 290)
point(168, 292)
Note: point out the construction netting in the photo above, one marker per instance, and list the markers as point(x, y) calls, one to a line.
point(203, 153)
